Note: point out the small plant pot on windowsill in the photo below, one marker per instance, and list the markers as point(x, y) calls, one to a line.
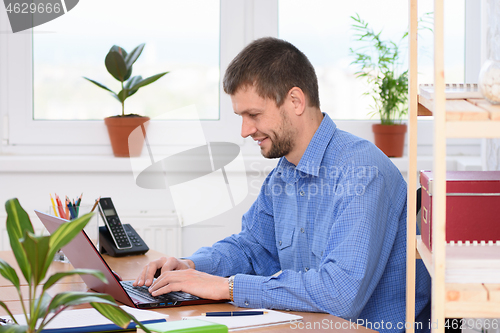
point(390, 138)
point(119, 130)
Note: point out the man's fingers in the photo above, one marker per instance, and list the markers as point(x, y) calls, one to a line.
point(170, 265)
point(140, 279)
point(166, 289)
point(168, 278)
point(148, 272)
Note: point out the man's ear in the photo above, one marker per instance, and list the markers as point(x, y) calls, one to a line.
point(298, 100)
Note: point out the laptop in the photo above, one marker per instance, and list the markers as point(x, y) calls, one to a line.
point(82, 253)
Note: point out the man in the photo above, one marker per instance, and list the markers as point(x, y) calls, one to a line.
point(327, 232)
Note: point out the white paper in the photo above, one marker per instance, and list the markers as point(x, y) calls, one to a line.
point(270, 318)
point(90, 317)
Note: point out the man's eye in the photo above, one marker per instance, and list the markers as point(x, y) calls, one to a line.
point(252, 115)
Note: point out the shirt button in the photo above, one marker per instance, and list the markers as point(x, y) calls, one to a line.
point(302, 193)
point(280, 243)
point(246, 303)
point(306, 269)
point(302, 230)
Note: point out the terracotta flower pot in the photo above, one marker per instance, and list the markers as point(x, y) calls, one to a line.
point(119, 129)
point(390, 138)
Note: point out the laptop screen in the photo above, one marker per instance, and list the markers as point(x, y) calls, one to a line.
point(82, 253)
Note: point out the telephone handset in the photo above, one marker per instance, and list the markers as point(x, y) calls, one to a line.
point(117, 239)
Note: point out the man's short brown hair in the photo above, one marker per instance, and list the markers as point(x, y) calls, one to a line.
point(273, 66)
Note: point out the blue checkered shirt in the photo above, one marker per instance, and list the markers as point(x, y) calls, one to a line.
point(334, 226)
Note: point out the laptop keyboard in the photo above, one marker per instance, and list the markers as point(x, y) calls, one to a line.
point(144, 293)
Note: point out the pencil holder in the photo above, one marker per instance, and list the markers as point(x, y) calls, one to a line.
point(91, 229)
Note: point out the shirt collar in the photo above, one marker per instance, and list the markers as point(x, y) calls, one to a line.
point(311, 160)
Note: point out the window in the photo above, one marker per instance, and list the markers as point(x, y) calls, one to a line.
point(181, 37)
point(322, 30)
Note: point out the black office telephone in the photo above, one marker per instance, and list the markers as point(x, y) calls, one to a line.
point(117, 239)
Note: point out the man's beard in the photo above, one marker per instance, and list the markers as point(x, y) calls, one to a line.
point(281, 144)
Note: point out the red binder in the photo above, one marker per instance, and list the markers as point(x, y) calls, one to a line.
point(472, 206)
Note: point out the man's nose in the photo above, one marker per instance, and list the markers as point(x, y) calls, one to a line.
point(247, 128)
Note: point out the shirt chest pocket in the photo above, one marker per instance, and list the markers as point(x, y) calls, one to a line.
point(286, 239)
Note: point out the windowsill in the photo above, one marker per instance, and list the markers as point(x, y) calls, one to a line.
point(68, 163)
point(95, 163)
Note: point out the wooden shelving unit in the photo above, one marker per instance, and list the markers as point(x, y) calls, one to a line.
point(467, 118)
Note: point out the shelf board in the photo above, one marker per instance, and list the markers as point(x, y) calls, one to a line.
point(465, 300)
point(472, 109)
point(466, 118)
point(466, 264)
point(472, 300)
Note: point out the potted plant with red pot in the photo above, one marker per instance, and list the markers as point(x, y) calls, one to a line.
point(379, 61)
point(119, 64)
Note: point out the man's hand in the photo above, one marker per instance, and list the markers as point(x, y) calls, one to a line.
point(165, 264)
point(191, 281)
point(180, 275)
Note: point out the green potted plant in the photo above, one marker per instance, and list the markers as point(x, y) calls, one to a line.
point(379, 62)
point(119, 64)
point(34, 255)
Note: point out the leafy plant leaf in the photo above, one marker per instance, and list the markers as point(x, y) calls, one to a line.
point(17, 222)
point(37, 248)
point(99, 85)
point(115, 63)
point(57, 276)
point(117, 315)
point(9, 273)
point(113, 313)
point(147, 81)
point(132, 56)
point(72, 298)
point(129, 73)
point(42, 305)
point(123, 94)
point(132, 82)
point(120, 50)
point(64, 234)
point(3, 305)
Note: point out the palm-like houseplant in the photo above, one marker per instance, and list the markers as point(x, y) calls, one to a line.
point(119, 64)
point(34, 255)
point(379, 64)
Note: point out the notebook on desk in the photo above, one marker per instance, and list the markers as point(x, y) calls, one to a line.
point(82, 253)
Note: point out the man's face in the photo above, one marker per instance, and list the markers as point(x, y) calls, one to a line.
point(266, 123)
